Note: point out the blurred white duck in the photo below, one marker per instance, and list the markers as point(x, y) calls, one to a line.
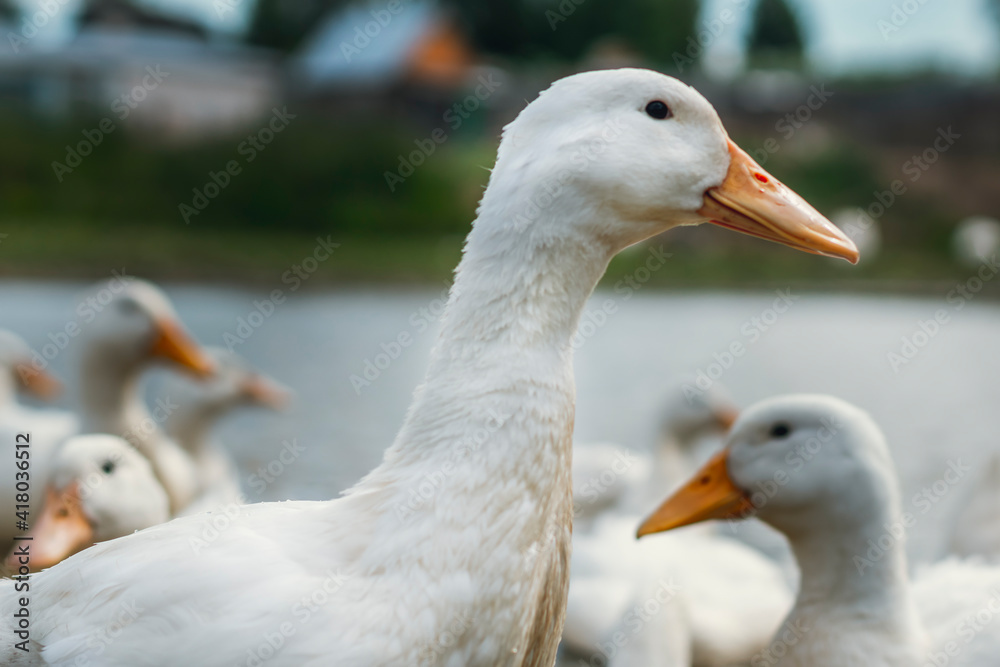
point(976, 240)
point(977, 526)
point(202, 404)
point(47, 428)
point(838, 502)
point(100, 488)
point(726, 598)
point(135, 329)
point(474, 572)
point(613, 477)
point(18, 374)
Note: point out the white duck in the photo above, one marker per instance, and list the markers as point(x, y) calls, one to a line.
point(46, 428)
point(613, 477)
point(475, 572)
point(818, 469)
point(977, 527)
point(100, 488)
point(136, 328)
point(202, 404)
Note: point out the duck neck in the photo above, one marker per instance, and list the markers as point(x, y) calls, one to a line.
point(476, 486)
point(502, 372)
point(110, 397)
point(854, 583)
point(192, 424)
point(112, 404)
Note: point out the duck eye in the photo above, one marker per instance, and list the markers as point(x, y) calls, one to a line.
point(780, 430)
point(658, 110)
point(108, 467)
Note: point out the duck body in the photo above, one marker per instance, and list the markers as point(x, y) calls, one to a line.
point(455, 549)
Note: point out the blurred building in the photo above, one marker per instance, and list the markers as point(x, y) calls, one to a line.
point(154, 72)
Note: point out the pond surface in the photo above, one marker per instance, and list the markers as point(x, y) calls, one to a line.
point(939, 407)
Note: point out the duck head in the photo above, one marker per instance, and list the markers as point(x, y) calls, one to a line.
point(101, 488)
point(137, 325)
point(800, 463)
point(633, 153)
point(25, 376)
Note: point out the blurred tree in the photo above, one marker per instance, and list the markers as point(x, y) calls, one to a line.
point(775, 36)
point(568, 29)
point(282, 25)
point(9, 11)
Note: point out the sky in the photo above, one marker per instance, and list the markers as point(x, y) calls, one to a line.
point(845, 36)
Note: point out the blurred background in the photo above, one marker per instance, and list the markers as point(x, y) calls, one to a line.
point(394, 113)
point(208, 144)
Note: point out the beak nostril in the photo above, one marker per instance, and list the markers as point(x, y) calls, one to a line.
point(760, 177)
point(705, 480)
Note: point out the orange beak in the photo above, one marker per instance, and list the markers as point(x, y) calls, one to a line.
point(175, 344)
point(752, 201)
point(38, 383)
point(60, 531)
point(265, 392)
point(710, 494)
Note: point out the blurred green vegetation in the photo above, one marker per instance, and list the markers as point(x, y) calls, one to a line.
point(320, 178)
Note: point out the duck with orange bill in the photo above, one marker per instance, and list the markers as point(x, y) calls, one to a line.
point(100, 488)
point(21, 375)
point(836, 494)
point(492, 544)
point(137, 329)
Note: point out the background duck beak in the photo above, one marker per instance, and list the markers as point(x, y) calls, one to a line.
point(38, 383)
point(266, 392)
point(175, 344)
point(710, 494)
point(60, 531)
point(752, 201)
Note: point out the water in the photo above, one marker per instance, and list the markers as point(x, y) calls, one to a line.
point(937, 408)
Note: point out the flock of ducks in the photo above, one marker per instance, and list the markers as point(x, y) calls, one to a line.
point(476, 571)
